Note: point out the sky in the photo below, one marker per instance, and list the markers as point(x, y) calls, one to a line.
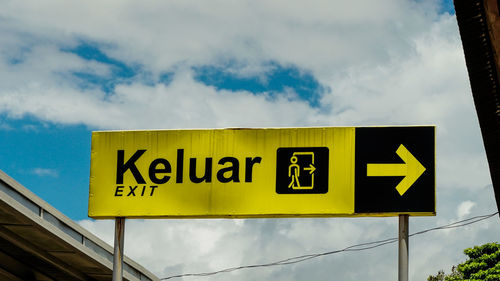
point(69, 68)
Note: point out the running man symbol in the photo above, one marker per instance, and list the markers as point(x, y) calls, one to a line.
point(302, 170)
point(295, 174)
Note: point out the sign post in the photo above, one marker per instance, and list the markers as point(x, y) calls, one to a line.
point(263, 173)
point(403, 248)
point(118, 249)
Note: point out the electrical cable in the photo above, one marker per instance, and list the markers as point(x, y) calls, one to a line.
point(353, 248)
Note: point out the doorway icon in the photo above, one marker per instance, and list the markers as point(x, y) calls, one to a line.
point(302, 170)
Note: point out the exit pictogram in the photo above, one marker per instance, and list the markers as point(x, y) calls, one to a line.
point(302, 170)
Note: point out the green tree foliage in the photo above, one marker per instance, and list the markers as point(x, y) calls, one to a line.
point(483, 264)
point(438, 277)
point(453, 276)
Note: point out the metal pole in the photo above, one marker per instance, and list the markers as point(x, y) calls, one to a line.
point(118, 253)
point(403, 248)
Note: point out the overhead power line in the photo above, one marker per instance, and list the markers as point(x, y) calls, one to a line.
point(353, 248)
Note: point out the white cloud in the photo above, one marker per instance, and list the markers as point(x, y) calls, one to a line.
point(184, 103)
point(464, 209)
point(384, 62)
point(44, 172)
point(319, 35)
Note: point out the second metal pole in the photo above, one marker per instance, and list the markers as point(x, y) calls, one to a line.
point(403, 248)
point(118, 253)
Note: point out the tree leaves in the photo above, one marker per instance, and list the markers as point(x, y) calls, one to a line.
point(483, 264)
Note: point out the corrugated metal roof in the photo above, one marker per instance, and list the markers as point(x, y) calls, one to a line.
point(38, 242)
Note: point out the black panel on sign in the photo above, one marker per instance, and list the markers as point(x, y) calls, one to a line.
point(302, 170)
point(378, 194)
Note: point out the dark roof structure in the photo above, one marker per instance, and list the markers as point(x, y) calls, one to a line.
point(479, 25)
point(37, 242)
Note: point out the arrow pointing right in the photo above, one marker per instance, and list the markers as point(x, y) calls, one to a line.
point(411, 169)
point(311, 169)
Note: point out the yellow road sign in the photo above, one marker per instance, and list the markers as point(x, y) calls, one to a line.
point(250, 173)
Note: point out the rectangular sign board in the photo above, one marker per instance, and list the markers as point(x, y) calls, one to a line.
point(243, 173)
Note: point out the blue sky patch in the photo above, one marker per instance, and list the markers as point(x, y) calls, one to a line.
point(120, 71)
point(53, 161)
point(277, 80)
point(166, 77)
point(89, 51)
point(446, 6)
